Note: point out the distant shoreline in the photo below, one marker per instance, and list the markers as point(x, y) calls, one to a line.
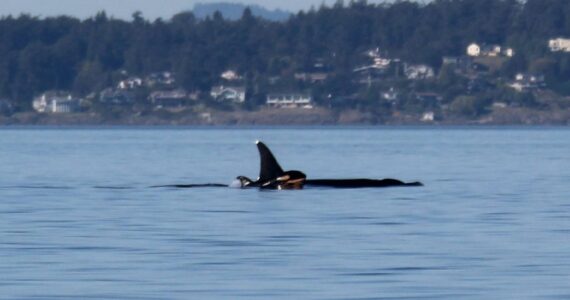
point(289, 117)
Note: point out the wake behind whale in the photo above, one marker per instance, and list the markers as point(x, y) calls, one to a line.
point(272, 176)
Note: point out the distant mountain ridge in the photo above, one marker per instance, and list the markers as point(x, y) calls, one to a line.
point(234, 11)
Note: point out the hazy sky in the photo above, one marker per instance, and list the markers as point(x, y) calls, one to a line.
point(151, 9)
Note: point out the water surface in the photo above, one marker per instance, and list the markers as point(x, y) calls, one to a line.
point(78, 219)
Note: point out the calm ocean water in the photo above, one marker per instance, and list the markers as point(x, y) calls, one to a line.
point(78, 219)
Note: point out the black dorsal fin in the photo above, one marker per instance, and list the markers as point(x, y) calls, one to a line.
point(270, 168)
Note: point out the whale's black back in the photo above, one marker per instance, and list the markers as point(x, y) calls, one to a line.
point(272, 176)
point(359, 183)
point(269, 167)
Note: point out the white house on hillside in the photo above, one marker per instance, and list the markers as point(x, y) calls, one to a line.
point(290, 100)
point(230, 75)
point(418, 72)
point(428, 116)
point(228, 93)
point(559, 44)
point(56, 102)
point(130, 83)
point(475, 50)
point(509, 52)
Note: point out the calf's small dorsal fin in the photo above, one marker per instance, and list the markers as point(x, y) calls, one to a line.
point(269, 167)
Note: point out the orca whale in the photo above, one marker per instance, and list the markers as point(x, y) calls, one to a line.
point(272, 176)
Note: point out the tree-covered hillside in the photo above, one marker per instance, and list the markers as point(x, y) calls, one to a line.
point(86, 56)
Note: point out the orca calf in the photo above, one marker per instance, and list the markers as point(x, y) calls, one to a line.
point(272, 176)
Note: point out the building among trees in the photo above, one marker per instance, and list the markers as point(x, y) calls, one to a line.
point(489, 50)
point(559, 44)
point(56, 102)
point(234, 94)
point(290, 100)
